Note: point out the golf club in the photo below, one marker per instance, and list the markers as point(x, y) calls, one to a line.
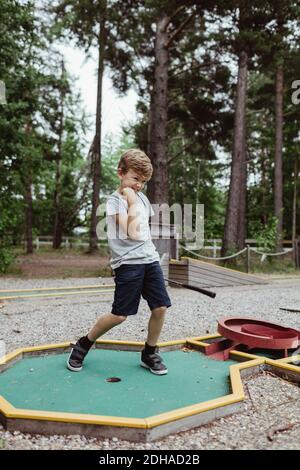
point(198, 289)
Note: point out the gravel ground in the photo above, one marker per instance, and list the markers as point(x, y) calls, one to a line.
point(271, 416)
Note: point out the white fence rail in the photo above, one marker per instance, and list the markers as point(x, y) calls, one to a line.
point(67, 242)
point(71, 242)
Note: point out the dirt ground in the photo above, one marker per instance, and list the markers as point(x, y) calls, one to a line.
point(60, 265)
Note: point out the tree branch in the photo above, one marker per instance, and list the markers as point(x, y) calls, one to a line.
point(179, 29)
point(184, 149)
point(182, 7)
point(193, 69)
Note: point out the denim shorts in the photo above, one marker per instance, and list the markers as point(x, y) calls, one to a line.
point(136, 280)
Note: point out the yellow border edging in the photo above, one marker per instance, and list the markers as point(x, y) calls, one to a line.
point(243, 354)
point(289, 359)
point(56, 288)
point(74, 418)
point(10, 356)
point(282, 365)
point(46, 346)
point(5, 406)
point(58, 294)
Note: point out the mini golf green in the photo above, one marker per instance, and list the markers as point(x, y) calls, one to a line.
point(44, 383)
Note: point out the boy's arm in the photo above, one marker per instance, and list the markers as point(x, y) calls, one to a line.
point(130, 222)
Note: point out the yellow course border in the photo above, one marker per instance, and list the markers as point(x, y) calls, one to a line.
point(58, 294)
point(289, 359)
point(237, 394)
point(57, 288)
point(102, 288)
point(285, 363)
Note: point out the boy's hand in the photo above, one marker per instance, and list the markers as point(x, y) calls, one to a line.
point(130, 195)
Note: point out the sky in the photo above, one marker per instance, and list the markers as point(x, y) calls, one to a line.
point(116, 110)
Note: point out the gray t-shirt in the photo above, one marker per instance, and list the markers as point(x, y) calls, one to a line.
point(123, 249)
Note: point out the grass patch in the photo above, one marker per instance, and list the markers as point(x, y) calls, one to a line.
point(12, 271)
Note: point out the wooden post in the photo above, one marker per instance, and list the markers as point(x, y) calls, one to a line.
point(297, 252)
point(215, 249)
point(248, 259)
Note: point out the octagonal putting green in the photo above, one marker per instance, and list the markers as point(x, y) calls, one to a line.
point(39, 394)
point(44, 383)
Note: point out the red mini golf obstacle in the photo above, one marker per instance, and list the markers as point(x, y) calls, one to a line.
point(246, 334)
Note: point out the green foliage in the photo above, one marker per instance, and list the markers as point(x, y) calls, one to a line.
point(6, 258)
point(265, 235)
point(6, 254)
point(30, 127)
point(112, 150)
point(16, 35)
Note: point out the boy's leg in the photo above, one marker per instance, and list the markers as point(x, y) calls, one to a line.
point(104, 324)
point(154, 291)
point(129, 282)
point(155, 325)
point(83, 345)
point(150, 358)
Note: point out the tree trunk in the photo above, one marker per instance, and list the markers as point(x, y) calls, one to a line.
point(242, 225)
point(27, 184)
point(278, 202)
point(263, 185)
point(96, 151)
point(149, 130)
point(57, 232)
point(158, 185)
point(28, 212)
point(294, 216)
point(234, 217)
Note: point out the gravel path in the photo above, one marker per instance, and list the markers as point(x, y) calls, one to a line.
point(271, 417)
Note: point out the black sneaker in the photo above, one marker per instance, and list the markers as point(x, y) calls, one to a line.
point(154, 363)
point(76, 357)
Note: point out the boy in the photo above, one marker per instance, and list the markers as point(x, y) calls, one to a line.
point(135, 262)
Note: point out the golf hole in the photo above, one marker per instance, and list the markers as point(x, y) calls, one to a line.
point(113, 379)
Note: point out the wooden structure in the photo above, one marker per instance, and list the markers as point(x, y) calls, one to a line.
point(201, 274)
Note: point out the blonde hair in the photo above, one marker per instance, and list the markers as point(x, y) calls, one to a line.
point(136, 160)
